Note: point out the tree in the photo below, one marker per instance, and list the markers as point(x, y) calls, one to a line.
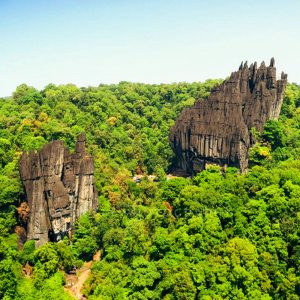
point(25, 94)
point(273, 133)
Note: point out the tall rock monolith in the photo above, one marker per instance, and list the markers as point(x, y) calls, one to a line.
point(218, 130)
point(59, 188)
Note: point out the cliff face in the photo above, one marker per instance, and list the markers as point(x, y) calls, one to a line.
point(217, 130)
point(59, 188)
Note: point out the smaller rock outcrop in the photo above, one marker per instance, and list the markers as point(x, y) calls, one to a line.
point(218, 130)
point(59, 188)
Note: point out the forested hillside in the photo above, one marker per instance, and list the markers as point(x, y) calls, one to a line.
point(218, 235)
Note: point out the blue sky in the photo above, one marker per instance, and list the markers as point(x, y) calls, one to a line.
point(89, 42)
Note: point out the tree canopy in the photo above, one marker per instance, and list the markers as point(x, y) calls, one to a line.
point(218, 235)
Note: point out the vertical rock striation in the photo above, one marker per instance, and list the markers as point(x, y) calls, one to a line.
point(218, 130)
point(59, 188)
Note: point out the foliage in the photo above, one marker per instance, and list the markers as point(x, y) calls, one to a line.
point(218, 235)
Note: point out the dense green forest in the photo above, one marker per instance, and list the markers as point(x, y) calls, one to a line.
point(218, 235)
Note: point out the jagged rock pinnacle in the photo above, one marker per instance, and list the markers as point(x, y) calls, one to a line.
point(59, 188)
point(218, 130)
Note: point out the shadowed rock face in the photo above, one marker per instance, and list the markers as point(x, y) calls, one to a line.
point(218, 130)
point(59, 188)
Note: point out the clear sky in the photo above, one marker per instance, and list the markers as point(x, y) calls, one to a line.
point(88, 42)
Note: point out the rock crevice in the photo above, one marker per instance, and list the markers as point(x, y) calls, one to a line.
point(218, 130)
point(59, 188)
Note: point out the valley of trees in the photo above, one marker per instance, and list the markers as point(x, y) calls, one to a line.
point(218, 235)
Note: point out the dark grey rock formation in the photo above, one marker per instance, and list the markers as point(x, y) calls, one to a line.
point(218, 130)
point(59, 188)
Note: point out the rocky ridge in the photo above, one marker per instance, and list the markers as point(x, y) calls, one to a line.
point(218, 130)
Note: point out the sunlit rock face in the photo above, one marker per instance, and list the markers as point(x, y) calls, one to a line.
point(59, 188)
point(218, 130)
